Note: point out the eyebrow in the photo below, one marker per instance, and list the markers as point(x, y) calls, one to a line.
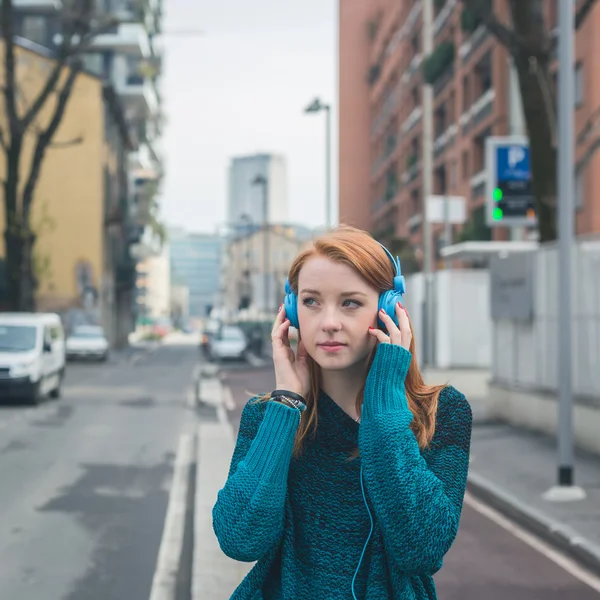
point(344, 294)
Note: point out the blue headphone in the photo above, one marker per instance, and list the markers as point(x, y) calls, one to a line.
point(387, 299)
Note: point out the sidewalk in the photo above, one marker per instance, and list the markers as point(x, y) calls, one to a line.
point(511, 468)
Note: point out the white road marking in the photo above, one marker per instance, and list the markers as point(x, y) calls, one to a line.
point(228, 400)
point(164, 583)
point(536, 543)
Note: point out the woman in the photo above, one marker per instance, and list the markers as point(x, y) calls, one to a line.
point(348, 480)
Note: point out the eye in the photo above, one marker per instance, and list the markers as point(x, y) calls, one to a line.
point(355, 303)
point(308, 301)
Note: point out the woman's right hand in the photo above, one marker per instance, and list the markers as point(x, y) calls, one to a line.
point(291, 371)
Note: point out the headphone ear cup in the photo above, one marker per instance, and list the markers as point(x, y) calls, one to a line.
point(388, 301)
point(290, 303)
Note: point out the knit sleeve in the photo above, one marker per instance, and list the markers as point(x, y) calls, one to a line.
point(416, 497)
point(249, 512)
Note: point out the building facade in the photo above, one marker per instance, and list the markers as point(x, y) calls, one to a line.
point(248, 202)
point(256, 267)
point(154, 286)
point(196, 264)
point(475, 95)
point(94, 199)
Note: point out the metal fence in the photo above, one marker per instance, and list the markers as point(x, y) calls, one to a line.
point(524, 353)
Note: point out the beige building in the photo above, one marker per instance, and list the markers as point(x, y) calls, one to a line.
point(475, 95)
point(154, 286)
point(256, 267)
point(80, 201)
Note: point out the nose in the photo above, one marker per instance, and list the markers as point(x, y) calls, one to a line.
point(330, 319)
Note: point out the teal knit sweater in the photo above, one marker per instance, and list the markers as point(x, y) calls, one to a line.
point(304, 519)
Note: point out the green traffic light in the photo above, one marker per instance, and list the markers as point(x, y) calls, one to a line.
point(497, 214)
point(497, 194)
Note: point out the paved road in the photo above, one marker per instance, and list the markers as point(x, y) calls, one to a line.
point(486, 561)
point(84, 480)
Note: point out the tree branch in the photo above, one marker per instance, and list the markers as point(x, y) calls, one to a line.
point(78, 29)
point(9, 64)
point(583, 12)
point(3, 140)
point(45, 138)
point(507, 37)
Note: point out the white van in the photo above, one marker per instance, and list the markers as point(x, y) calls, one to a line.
point(32, 355)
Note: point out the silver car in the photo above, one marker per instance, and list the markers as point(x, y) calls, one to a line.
point(229, 343)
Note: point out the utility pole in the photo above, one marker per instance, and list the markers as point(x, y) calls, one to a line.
point(565, 490)
point(427, 174)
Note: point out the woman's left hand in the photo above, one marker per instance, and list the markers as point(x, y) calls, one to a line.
point(399, 335)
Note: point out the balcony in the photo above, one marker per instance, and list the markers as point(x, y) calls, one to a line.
point(474, 42)
point(478, 184)
point(413, 67)
point(139, 94)
point(444, 140)
point(412, 18)
point(389, 106)
point(479, 110)
point(128, 38)
point(411, 120)
point(443, 16)
point(38, 6)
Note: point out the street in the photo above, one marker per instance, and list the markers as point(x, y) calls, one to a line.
point(85, 479)
point(487, 560)
point(86, 482)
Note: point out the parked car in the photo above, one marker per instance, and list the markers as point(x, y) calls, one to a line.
point(32, 356)
point(229, 343)
point(209, 331)
point(87, 341)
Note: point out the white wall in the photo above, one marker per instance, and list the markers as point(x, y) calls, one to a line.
point(462, 325)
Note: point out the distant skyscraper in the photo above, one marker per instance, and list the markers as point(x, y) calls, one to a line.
point(247, 199)
point(196, 262)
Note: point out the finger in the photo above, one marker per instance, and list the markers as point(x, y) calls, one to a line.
point(278, 319)
point(279, 333)
point(391, 326)
point(381, 337)
point(404, 326)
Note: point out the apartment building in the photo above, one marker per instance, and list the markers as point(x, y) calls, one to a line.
point(98, 194)
point(381, 74)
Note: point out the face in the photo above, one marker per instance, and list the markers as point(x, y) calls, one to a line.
point(336, 307)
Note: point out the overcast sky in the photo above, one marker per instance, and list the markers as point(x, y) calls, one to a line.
point(240, 89)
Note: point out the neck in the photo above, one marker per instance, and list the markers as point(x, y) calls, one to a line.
point(343, 386)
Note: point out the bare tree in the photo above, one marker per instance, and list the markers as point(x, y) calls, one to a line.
point(79, 25)
point(532, 46)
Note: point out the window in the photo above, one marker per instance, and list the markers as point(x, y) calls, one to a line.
point(465, 165)
point(35, 29)
point(578, 84)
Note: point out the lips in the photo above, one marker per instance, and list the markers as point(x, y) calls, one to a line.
point(332, 345)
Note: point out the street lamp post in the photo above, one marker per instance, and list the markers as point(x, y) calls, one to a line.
point(565, 489)
point(314, 107)
point(262, 181)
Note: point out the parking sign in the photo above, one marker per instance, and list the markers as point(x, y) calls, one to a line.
point(509, 195)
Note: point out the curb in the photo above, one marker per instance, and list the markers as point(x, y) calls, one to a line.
point(559, 535)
